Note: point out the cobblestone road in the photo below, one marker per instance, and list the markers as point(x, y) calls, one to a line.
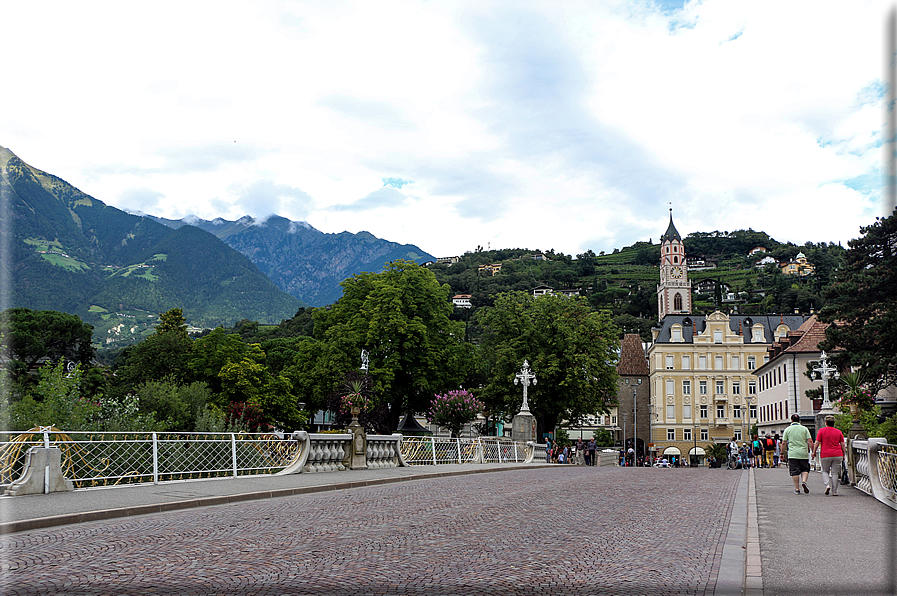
point(563, 530)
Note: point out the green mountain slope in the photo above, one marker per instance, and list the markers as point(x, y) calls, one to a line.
point(73, 253)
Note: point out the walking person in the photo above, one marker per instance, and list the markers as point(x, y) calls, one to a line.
point(798, 444)
point(832, 447)
point(593, 446)
point(769, 449)
point(757, 452)
point(777, 454)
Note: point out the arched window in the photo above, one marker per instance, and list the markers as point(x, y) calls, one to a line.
point(677, 301)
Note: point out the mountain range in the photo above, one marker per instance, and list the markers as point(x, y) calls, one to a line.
point(70, 252)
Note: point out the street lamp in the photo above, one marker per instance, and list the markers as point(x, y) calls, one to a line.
point(824, 372)
point(694, 433)
point(525, 376)
point(625, 451)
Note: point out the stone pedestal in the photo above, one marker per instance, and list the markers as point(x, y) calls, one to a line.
point(523, 427)
point(42, 474)
point(358, 459)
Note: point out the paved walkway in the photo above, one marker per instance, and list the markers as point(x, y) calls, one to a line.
point(453, 529)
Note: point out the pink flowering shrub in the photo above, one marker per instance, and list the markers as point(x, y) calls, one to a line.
point(453, 410)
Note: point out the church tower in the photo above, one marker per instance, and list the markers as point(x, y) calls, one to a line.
point(674, 290)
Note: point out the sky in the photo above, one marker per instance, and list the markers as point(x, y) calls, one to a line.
point(454, 125)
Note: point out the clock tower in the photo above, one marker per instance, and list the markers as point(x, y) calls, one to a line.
point(674, 290)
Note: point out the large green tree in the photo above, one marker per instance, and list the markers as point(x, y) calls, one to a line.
point(862, 305)
point(571, 349)
point(34, 335)
point(400, 316)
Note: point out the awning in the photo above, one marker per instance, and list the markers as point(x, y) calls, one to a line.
point(672, 451)
point(696, 451)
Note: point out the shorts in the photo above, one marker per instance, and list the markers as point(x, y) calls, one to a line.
point(796, 467)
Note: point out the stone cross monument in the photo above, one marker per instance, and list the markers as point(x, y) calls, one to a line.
point(523, 427)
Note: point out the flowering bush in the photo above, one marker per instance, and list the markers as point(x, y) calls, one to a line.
point(453, 410)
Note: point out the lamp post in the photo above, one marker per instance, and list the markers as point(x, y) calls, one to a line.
point(635, 425)
point(694, 434)
point(625, 451)
point(525, 376)
point(824, 371)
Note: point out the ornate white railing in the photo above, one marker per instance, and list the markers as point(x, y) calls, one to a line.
point(875, 469)
point(104, 459)
point(447, 450)
point(99, 459)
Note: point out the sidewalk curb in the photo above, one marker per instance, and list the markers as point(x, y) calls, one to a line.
point(730, 580)
point(25, 525)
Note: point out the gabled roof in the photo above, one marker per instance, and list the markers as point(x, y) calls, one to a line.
point(812, 332)
point(632, 356)
point(671, 233)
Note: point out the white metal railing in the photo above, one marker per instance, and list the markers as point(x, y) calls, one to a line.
point(875, 469)
point(447, 450)
point(105, 459)
point(102, 458)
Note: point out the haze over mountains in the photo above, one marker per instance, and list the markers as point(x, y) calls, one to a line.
point(70, 252)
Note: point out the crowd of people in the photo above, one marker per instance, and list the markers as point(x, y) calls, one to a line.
point(759, 452)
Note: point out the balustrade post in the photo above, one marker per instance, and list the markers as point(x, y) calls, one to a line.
point(155, 459)
point(458, 444)
point(433, 445)
point(233, 452)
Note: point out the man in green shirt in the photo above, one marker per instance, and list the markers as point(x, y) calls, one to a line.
point(799, 444)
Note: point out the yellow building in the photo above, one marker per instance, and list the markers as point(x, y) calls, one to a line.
point(799, 266)
point(701, 367)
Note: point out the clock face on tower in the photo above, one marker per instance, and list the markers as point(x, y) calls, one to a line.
point(676, 272)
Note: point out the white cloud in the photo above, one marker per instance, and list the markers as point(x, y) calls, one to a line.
point(566, 126)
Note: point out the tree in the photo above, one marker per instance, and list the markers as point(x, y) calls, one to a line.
point(571, 349)
point(33, 335)
point(862, 305)
point(401, 316)
point(172, 321)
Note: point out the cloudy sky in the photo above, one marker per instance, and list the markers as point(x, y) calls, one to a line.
point(552, 124)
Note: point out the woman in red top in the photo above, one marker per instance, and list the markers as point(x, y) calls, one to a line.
point(832, 446)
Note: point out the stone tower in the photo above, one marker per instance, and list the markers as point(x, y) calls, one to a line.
point(674, 290)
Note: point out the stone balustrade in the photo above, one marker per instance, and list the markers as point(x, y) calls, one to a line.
point(874, 469)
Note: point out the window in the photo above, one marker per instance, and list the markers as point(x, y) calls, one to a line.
point(671, 411)
point(686, 434)
point(704, 411)
point(753, 411)
point(752, 388)
point(669, 362)
point(720, 387)
point(677, 334)
point(686, 387)
point(720, 411)
point(736, 412)
point(718, 363)
point(677, 301)
point(757, 335)
point(736, 388)
point(736, 362)
point(613, 420)
point(702, 362)
point(737, 434)
point(705, 436)
point(671, 386)
point(686, 410)
point(671, 434)
point(686, 362)
point(752, 362)
point(717, 336)
point(702, 386)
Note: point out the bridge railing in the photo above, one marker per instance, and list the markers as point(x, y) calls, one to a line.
point(92, 459)
point(875, 469)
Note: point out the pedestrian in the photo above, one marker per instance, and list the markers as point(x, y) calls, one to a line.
point(548, 451)
point(593, 446)
point(731, 454)
point(798, 445)
point(832, 448)
point(757, 452)
point(580, 452)
point(769, 448)
point(777, 454)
